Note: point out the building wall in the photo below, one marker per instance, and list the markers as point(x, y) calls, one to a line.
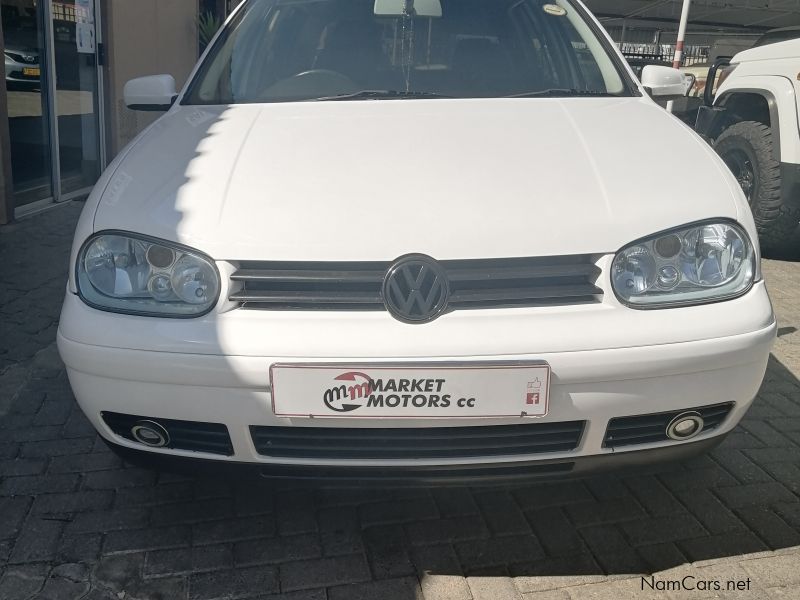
point(144, 37)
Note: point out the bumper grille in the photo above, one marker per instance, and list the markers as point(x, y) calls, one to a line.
point(183, 435)
point(417, 443)
point(646, 429)
point(489, 283)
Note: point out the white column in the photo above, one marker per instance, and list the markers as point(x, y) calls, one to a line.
point(678, 58)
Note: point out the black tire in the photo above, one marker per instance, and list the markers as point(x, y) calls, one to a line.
point(747, 149)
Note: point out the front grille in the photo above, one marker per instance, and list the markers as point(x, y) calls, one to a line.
point(416, 443)
point(484, 283)
point(184, 435)
point(646, 429)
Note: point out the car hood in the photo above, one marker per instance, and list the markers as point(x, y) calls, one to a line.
point(24, 50)
point(374, 180)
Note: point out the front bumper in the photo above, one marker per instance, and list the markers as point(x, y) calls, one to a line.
point(592, 385)
point(15, 73)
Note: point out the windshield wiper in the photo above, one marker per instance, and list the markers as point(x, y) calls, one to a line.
point(563, 93)
point(380, 94)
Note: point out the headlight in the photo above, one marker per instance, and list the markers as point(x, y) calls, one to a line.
point(699, 263)
point(127, 273)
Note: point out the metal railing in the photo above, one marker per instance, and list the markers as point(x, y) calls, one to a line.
point(693, 54)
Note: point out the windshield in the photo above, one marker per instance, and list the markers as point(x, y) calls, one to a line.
point(773, 37)
point(296, 50)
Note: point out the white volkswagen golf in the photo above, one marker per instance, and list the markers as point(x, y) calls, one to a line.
point(415, 239)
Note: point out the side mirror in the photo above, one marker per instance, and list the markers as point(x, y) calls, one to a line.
point(664, 83)
point(153, 93)
point(689, 81)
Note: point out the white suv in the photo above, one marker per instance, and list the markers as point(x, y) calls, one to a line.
point(752, 122)
point(415, 239)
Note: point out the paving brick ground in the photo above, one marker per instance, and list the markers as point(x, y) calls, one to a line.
point(77, 523)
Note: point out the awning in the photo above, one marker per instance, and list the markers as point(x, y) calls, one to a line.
point(756, 15)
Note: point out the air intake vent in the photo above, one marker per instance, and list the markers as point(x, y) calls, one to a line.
point(646, 429)
point(490, 283)
point(183, 435)
point(417, 442)
point(460, 474)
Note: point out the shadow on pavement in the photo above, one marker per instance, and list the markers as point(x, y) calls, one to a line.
point(788, 251)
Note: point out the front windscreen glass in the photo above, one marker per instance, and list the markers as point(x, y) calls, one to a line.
point(295, 50)
point(774, 37)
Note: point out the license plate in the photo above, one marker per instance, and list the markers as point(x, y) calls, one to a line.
point(481, 390)
point(31, 72)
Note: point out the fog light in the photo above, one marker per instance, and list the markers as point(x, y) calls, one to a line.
point(150, 434)
point(684, 426)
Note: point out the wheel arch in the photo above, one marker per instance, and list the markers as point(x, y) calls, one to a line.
point(741, 104)
point(749, 104)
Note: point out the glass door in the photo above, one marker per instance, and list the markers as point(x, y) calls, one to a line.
point(25, 46)
point(75, 81)
point(54, 88)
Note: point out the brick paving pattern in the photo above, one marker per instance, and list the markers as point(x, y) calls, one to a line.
point(77, 523)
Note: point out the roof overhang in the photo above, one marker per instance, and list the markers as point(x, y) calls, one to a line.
point(756, 15)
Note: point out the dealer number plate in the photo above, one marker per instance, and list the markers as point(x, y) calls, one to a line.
point(480, 390)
